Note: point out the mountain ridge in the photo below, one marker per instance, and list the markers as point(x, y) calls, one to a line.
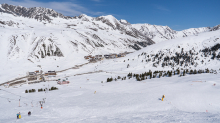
point(46, 33)
point(154, 32)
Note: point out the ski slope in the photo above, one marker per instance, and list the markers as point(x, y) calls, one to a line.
point(192, 98)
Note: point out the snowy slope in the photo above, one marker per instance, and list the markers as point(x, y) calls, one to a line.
point(62, 43)
point(182, 53)
point(39, 36)
point(192, 98)
point(163, 33)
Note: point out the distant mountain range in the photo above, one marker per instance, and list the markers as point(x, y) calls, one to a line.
point(37, 33)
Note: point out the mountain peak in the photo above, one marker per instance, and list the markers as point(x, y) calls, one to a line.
point(38, 13)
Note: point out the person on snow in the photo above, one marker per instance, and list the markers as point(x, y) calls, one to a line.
point(18, 115)
point(29, 113)
point(163, 97)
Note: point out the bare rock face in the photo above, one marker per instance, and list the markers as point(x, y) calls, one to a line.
point(215, 28)
point(38, 13)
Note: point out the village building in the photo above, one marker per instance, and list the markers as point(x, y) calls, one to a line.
point(98, 57)
point(92, 60)
point(51, 74)
point(33, 76)
point(88, 57)
point(113, 56)
point(107, 56)
point(121, 54)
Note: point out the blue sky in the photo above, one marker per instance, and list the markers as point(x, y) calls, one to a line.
point(177, 14)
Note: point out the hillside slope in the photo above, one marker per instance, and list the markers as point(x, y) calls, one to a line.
point(40, 38)
point(163, 33)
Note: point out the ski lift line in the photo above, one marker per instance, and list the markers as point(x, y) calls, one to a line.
point(7, 98)
point(18, 95)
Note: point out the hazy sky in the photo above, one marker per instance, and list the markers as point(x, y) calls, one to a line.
point(177, 14)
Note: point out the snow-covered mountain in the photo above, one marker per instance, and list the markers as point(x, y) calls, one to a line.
point(215, 28)
point(89, 98)
point(162, 33)
point(38, 13)
point(33, 39)
point(37, 33)
point(40, 36)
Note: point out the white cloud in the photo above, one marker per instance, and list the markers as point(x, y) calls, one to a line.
point(66, 8)
point(161, 8)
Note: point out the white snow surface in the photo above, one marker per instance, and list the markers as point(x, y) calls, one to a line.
point(192, 98)
point(88, 97)
point(187, 99)
point(162, 33)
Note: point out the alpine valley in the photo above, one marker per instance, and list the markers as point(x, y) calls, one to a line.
point(150, 60)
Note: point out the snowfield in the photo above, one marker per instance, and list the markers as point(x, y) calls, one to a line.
point(192, 98)
point(89, 98)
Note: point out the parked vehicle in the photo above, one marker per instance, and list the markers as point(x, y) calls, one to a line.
point(62, 82)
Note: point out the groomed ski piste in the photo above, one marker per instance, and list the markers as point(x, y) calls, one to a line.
point(90, 99)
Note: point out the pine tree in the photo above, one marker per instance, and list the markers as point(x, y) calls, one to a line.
point(184, 73)
point(178, 71)
point(195, 72)
point(134, 75)
point(207, 70)
point(191, 72)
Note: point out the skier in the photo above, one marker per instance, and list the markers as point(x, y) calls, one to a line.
point(18, 114)
point(29, 113)
point(163, 97)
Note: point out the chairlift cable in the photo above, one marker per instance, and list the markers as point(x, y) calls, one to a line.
point(7, 98)
point(25, 102)
point(17, 95)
